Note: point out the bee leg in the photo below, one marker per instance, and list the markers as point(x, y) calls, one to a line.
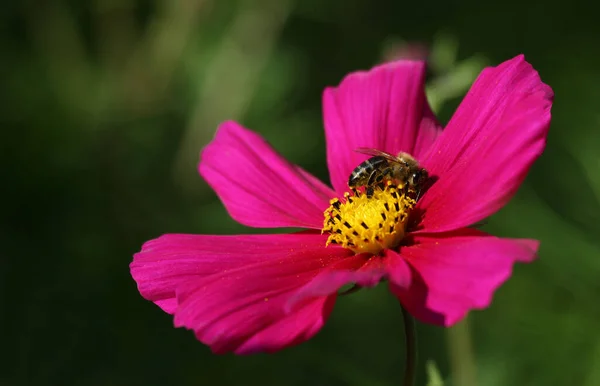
point(387, 173)
point(372, 178)
point(369, 191)
point(418, 194)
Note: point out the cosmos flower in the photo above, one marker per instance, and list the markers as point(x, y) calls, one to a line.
point(261, 293)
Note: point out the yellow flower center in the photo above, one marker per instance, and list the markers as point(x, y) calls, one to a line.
point(369, 223)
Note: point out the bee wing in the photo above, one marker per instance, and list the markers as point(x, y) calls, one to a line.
point(375, 152)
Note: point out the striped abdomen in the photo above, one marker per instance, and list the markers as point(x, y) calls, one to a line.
point(369, 172)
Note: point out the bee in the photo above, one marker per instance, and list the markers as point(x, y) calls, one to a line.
point(402, 169)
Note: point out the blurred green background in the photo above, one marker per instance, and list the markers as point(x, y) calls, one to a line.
point(106, 104)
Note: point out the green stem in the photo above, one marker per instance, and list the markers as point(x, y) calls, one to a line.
point(411, 348)
point(462, 360)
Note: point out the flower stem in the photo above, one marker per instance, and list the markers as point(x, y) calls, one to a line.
point(411, 348)
point(462, 359)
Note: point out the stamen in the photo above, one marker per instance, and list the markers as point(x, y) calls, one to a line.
point(370, 220)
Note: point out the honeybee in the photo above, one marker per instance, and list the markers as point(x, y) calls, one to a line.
point(402, 169)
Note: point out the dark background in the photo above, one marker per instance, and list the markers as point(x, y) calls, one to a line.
point(106, 104)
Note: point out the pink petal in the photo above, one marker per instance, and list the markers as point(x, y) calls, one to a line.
point(232, 290)
point(485, 152)
point(457, 272)
point(364, 270)
point(292, 329)
point(398, 271)
point(384, 108)
point(258, 186)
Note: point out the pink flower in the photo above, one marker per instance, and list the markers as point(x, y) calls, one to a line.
point(253, 293)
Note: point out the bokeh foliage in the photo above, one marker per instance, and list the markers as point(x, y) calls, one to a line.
point(106, 104)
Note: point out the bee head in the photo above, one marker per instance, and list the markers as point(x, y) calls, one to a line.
point(418, 177)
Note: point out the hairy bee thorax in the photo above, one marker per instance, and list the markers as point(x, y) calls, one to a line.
point(369, 223)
